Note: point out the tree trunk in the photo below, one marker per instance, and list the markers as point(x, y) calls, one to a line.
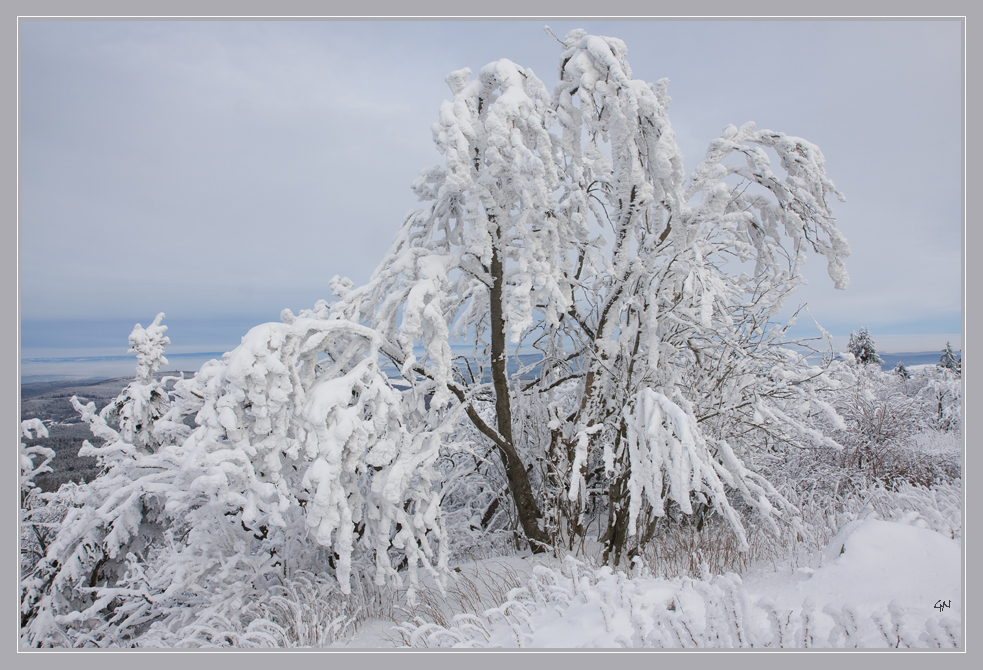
point(616, 536)
point(515, 471)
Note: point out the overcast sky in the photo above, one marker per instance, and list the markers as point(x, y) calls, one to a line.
point(222, 171)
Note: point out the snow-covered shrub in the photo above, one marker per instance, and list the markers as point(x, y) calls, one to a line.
point(118, 514)
point(882, 427)
point(880, 419)
point(28, 468)
point(34, 518)
point(303, 438)
point(937, 507)
point(884, 438)
point(301, 461)
point(306, 610)
point(941, 397)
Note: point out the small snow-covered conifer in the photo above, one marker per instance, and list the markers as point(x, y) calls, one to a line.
point(862, 348)
point(948, 360)
point(902, 372)
point(144, 400)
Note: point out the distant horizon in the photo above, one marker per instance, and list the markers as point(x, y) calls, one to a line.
point(55, 349)
point(120, 366)
point(73, 338)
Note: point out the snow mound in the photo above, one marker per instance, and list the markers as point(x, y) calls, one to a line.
point(871, 563)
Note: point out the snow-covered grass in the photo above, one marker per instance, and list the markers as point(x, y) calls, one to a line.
point(889, 557)
point(875, 586)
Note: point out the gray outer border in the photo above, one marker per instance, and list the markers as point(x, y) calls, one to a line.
point(10, 334)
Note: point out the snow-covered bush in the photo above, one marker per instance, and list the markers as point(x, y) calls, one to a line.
point(34, 524)
point(301, 460)
point(878, 425)
point(304, 442)
point(941, 398)
point(119, 513)
point(884, 438)
point(880, 420)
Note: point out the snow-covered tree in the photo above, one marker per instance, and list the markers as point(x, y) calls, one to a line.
point(143, 401)
point(862, 348)
point(949, 361)
point(902, 372)
point(647, 295)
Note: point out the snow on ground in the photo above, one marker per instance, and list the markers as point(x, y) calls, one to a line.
point(875, 584)
point(474, 586)
point(870, 563)
point(873, 566)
